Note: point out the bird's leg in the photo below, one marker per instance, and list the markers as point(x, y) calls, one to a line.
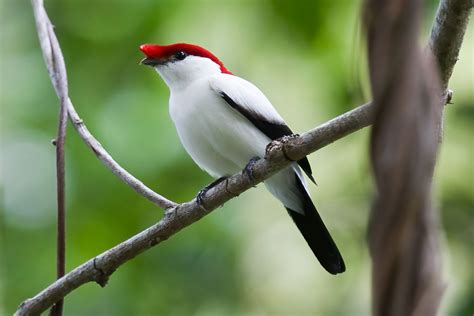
point(202, 193)
point(248, 170)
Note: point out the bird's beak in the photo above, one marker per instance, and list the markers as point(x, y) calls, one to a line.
point(151, 62)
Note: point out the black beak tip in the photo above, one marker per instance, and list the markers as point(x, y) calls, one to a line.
point(149, 62)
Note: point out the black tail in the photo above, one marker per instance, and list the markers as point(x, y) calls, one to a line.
point(316, 234)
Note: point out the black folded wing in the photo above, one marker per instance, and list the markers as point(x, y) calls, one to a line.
point(271, 129)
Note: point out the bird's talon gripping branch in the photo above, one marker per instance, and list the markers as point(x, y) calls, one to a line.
point(248, 170)
point(285, 140)
point(288, 137)
point(203, 191)
point(280, 143)
point(199, 198)
point(286, 155)
point(273, 147)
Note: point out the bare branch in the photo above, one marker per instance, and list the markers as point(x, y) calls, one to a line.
point(179, 216)
point(99, 268)
point(57, 309)
point(447, 34)
point(57, 71)
point(113, 166)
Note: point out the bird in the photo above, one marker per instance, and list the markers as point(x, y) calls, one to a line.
point(224, 123)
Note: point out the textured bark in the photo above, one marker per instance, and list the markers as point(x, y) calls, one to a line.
point(447, 34)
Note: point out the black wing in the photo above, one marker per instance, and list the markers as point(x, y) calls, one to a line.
point(270, 129)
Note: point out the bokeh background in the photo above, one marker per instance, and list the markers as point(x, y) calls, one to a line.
point(246, 258)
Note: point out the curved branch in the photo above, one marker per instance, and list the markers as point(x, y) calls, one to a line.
point(54, 60)
point(179, 216)
point(110, 163)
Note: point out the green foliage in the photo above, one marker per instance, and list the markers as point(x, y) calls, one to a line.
point(246, 258)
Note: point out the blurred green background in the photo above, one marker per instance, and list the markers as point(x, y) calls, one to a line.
point(246, 258)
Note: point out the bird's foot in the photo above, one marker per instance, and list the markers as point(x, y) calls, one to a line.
point(248, 170)
point(279, 143)
point(203, 191)
point(200, 196)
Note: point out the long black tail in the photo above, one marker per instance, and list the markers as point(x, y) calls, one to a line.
point(316, 234)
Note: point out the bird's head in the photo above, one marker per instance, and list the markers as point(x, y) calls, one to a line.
point(180, 64)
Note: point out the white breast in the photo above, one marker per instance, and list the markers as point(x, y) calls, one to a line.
point(218, 138)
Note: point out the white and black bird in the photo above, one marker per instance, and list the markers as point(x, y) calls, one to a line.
point(224, 122)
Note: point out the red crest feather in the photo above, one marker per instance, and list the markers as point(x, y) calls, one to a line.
point(165, 51)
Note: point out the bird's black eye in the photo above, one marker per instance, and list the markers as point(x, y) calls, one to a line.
point(180, 55)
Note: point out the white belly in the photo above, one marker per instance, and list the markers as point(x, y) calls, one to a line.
point(218, 138)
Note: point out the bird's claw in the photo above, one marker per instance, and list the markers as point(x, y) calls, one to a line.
point(279, 143)
point(249, 168)
point(203, 191)
point(200, 197)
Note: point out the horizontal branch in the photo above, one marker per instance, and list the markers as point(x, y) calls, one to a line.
point(176, 218)
point(280, 154)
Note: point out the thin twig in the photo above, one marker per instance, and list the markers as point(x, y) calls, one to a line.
point(180, 216)
point(57, 309)
point(57, 71)
point(112, 165)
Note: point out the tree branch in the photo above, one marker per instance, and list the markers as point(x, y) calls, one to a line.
point(60, 141)
point(57, 71)
point(55, 59)
point(179, 216)
point(176, 218)
point(447, 34)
